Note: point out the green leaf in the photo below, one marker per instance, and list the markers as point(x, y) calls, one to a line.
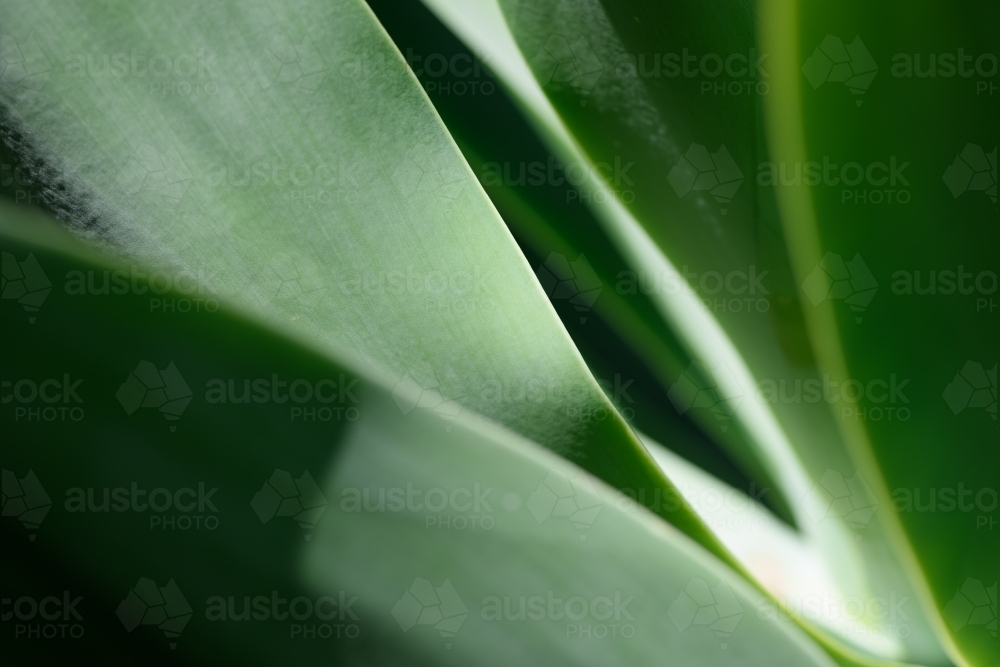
point(507, 575)
point(480, 534)
point(548, 216)
point(653, 119)
point(310, 182)
point(942, 341)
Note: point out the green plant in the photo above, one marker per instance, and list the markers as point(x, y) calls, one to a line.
point(291, 283)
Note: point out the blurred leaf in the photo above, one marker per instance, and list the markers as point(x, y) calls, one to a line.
point(583, 80)
point(677, 605)
point(536, 195)
point(291, 509)
point(311, 183)
point(937, 226)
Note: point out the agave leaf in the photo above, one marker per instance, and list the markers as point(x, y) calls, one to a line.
point(273, 519)
point(640, 117)
point(536, 195)
point(506, 576)
point(305, 175)
point(942, 341)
